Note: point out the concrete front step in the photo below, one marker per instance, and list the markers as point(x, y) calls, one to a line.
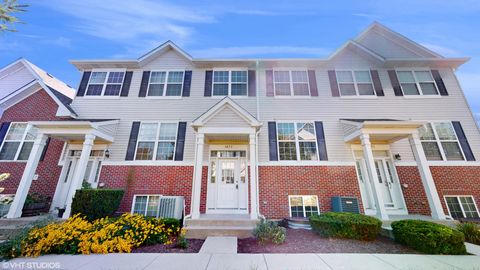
point(221, 222)
point(202, 232)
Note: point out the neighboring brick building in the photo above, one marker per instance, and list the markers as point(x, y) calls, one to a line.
point(383, 120)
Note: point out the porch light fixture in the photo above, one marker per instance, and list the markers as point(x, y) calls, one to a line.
point(107, 153)
point(397, 156)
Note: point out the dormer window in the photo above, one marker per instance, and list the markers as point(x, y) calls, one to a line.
point(230, 83)
point(105, 83)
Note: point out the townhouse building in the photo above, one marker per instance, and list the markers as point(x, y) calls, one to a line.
point(382, 119)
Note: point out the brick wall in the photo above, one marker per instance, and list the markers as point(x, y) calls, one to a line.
point(36, 107)
point(277, 182)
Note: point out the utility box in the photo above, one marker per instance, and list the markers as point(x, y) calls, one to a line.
point(345, 204)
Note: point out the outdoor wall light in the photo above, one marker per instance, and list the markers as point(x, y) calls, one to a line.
point(397, 156)
point(107, 153)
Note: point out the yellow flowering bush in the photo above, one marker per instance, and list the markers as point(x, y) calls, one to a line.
point(105, 235)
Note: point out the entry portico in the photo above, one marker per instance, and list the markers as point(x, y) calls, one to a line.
point(382, 186)
point(84, 132)
point(228, 134)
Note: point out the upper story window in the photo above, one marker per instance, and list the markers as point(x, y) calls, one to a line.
point(417, 82)
point(156, 141)
point(355, 83)
point(105, 83)
point(297, 141)
point(18, 142)
point(291, 83)
point(165, 83)
point(440, 142)
point(230, 83)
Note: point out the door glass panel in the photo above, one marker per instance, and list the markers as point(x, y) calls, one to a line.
point(228, 172)
point(378, 169)
point(88, 171)
point(359, 171)
point(68, 171)
point(390, 171)
point(243, 171)
point(97, 173)
point(213, 167)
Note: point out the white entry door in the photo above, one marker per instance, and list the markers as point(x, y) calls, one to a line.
point(386, 181)
point(227, 187)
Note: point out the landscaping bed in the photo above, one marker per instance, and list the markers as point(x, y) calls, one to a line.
point(194, 246)
point(305, 241)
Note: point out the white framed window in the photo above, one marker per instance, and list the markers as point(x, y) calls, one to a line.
point(297, 141)
point(105, 83)
point(440, 142)
point(146, 205)
point(355, 83)
point(291, 83)
point(303, 206)
point(462, 206)
point(230, 83)
point(165, 83)
point(417, 82)
point(18, 142)
point(156, 141)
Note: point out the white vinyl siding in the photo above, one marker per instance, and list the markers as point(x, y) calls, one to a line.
point(156, 141)
point(230, 83)
point(303, 206)
point(291, 83)
point(165, 83)
point(18, 142)
point(440, 142)
point(417, 82)
point(355, 83)
point(105, 83)
point(462, 207)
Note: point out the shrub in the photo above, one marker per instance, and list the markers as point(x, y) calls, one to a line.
point(269, 231)
point(96, 203)
point(346, 225)
point(429, 237)
point(80, 236)
point(181, 240)
point(471, 231)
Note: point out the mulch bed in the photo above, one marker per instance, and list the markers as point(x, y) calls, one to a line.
point(194, 246)
point(305, 241)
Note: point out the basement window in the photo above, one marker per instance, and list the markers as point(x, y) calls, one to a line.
point(303, 206)
point(461, 207)
point(146, 205)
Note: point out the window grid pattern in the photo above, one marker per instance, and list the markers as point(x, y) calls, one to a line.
point(440, 141)
point(156, 141)
point(146, 205)
point(355, 83)
point(462, 207)
point(105, 83)
point(417, 82)
point(230, 83)
point(297, 141)
point(291, 83)
point(165, 83)
point(303, 206)
point(18, 142)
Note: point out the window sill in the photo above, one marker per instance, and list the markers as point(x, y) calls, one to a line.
point(163, 97)
point(359, 97)
point(13, 161)
point(299, 97)
point(101, 97)
point(421, 96)
point(232, 97)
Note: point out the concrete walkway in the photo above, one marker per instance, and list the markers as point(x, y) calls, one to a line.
point(206, 261)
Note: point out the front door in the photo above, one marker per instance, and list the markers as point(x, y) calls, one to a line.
point(386, 181)
point(227, 187)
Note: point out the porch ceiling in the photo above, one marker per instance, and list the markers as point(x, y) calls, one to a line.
point(226, 138)
point(75, 130)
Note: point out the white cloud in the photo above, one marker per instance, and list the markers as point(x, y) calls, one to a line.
point(259, 50)
point(442, 50)
point(60, 42)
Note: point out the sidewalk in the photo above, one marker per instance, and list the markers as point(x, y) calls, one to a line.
point(205, 261)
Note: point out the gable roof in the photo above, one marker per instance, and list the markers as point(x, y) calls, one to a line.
point(162, 49)
point(60, 92)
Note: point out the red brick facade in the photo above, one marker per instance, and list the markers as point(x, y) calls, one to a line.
point(36, 107)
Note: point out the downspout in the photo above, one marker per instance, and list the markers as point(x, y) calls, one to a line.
point(256, 137)
point(193, 181)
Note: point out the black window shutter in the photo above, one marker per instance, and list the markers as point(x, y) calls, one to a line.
point(3, 131)
point(208, 83)
point(83, 83)
point(44, 151)
point(377, 84)
point(187, 82)
point(252, 83)
point(439, 81)
point(182, 128)
point(312, 80)
point(144, 84)
point(126, 84)
point(132, 141)
point(322, 146)
point(395, 84)
point(272, 140)
point(467, 151)
point(269, 75)
point(332, 77)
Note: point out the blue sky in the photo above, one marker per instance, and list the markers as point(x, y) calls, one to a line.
point(58, 30)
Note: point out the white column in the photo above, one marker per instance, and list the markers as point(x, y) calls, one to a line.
point(253, 178)
point(27, 177)
point(372, 172)
point(427, 179)
point(197, 176)
point(79, 172)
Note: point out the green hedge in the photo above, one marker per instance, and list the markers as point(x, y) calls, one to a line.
point(429, 237)
point(471, 231)
point(96, 203)
point(346, 225)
